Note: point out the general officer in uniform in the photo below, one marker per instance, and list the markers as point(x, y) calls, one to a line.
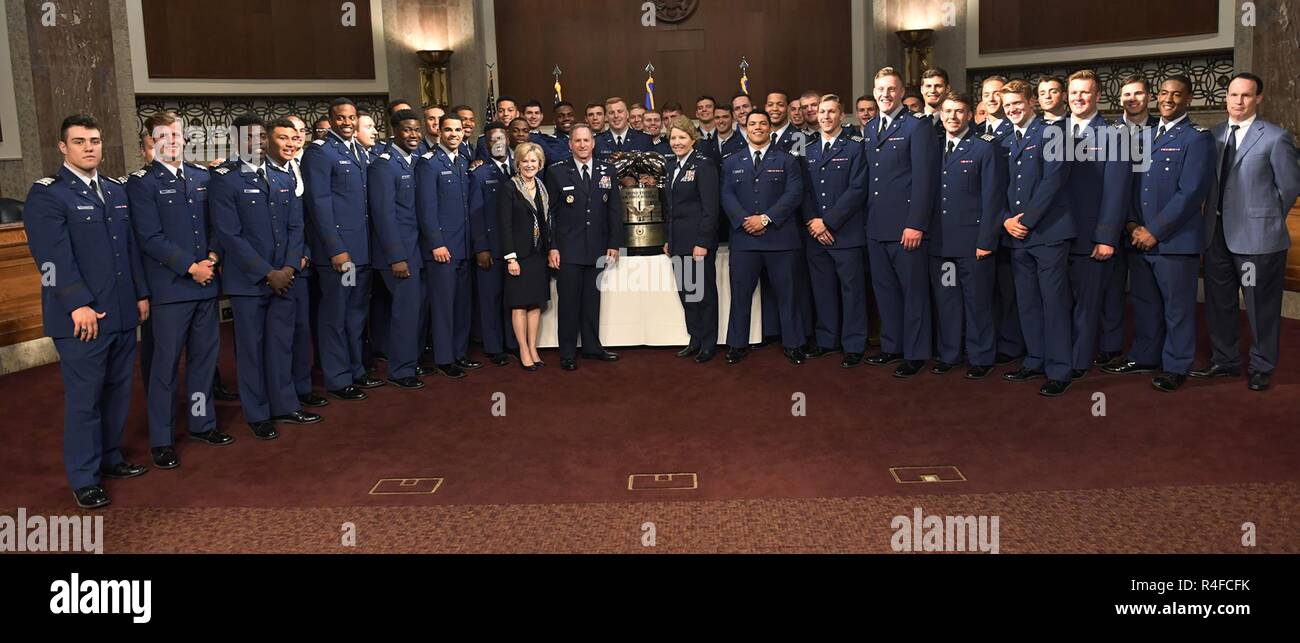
point(1168, 235)
point(1041, 228)
point(489, 275)
point(834, 212)
point(338, 236)
point(258, 218)
point(964, 235)
point(902, 155)
point(691, 204)
point(169, 207)
point(396, 245)
point(620, 137)
point(762, 189)
point(586, 233)
point(93, 295)
point(442, 206)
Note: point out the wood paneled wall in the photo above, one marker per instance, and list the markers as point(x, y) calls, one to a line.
point(1014, 25)
point(257, 40)
point(603, 49)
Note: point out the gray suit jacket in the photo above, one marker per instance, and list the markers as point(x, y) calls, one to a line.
point(1260, 188)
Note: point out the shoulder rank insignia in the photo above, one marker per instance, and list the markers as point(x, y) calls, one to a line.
point(116, 179)
point(988, 137)
point(385, 156)
point(319, 141)
point(427, 155)
point(919, 115)
point(139, 173)
point(46, 181)
point(223, 170)
point(197, 166)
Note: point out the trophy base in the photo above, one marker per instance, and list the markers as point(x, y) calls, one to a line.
point(644, 239)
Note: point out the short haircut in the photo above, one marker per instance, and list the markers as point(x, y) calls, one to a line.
point(461, 108)
point(76, 120)
point(862, 98)
point(517, 119)
point(526, 149)
point(760, 112)
point(612, 100)
point(494, 125)
point(654, 111)
point(685, 125)
point(963, 98)
point(402, 115)
point(673, 107)
point(339, 102)
point(591, 105)
point(320, 120)
point(533, 103)
point(426, 108)
point(248, 120)
point(161, 119)
point(1181, 78)
point(831, 97)
point(1259, 82)
point(447, 117)
point(708, 98)
point(1016, 86)
point(739, 95)
point(935, 72)
point(394, 103)
point(889, 71)
point(997, 77)
point(507, 99)
point(636, 107)
point(1053, 78)
point(282, 121)
point(580, 125)
point(563, 103)
point(1137, 78)
point(811, 93)
point(784, 94)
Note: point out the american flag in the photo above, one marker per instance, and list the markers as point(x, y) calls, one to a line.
point(491, 109)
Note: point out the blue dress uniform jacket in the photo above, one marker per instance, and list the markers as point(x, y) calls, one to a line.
point(442, 204)
point(1037, 187)
point(174, 230)
point(902, 184)
point(1171, 196)
point(484, 183)
point(335, 194)
point(87, 255)
point(835, 191)
point(691, 204)
point(774, 188)
point(1116, 297)
point(391, 178)
point(634, 140)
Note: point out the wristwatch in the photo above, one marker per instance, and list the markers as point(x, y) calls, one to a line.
point(766, 220)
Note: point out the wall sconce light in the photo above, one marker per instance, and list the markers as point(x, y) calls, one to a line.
point(917, 49)
point(435, 76)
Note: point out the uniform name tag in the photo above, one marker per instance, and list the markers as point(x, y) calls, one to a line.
point(445, 173)
point(251, 191)
point(491, 182)
point(120, 207)
point(1030, 147)
point(964, 161)
point(776, 169)
point(406, 176)
point(202, 189)
point(897, 138)
point(166, 191)
point(842, 159)
point(344, 162)
point(737, 171)
point(284, 189)
point(567, 188)
point(1171, 149)
point(85, 207)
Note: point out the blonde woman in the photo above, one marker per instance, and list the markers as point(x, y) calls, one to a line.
point(691, 204)
point(523, 222)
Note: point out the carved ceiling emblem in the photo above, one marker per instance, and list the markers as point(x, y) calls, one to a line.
point(675, 10)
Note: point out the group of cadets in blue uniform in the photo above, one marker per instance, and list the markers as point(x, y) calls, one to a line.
point(930, 209)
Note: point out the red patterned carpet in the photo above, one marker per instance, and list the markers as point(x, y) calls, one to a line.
point(1157, 472)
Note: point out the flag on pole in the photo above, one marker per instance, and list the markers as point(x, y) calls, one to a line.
point(744, 76)
point(490, 111)
point(559, 92)
point(650, 86)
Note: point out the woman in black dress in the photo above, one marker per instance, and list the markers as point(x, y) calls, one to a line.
point(524, 226)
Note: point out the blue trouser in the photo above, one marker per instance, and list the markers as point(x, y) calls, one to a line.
point(494, 319)
point(344, 306)
point(447, 289)
point(1089, 280)
point(1112, 312)
point(963, 290)
point(96, 398)
point(192, 326)
point(1164, 310)
point(1043, 295)
point(901, 280)
point(380, 323)
point(578, 293)
point(406, 297)
point(302, 345)
point(264, 355)
point(768, 305)
point(1011, 339)
point(697, 289)
point(779, 265)
point(838, 284)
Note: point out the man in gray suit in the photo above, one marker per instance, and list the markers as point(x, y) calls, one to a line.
point(1259, 179)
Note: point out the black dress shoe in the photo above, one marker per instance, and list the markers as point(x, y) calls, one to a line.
point(813, 352)
point(368, 381)
point(1168, 382)
point(909, 368)
point(1021, 374)
point(407, 382)
point(123, 470)
point(794, 355)
point(500, 359)
point(1123, 366)
point(223, 394)
point(213, 437)
point(737, 355)
point(264, 430)
point(424, 371)
point(1106, 357)
point(688, 351)
point(1258, 381)
point(767, 341)
point(1214, 370)
point(704, 356)
point(164, 457)
point(568, 364)
point(1003, 359)
point(349, 393)
point(380, 356)
point(851, 360)
point(468, 364)
point(978, 372)
point(1078, 373)
point(91, 497)
point(451, 370)
point(1054, 388)
point(604, 356)
point(529, 367)
point(298, 417)
point(312, 400)
point(942, 368)
point(883, 359)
